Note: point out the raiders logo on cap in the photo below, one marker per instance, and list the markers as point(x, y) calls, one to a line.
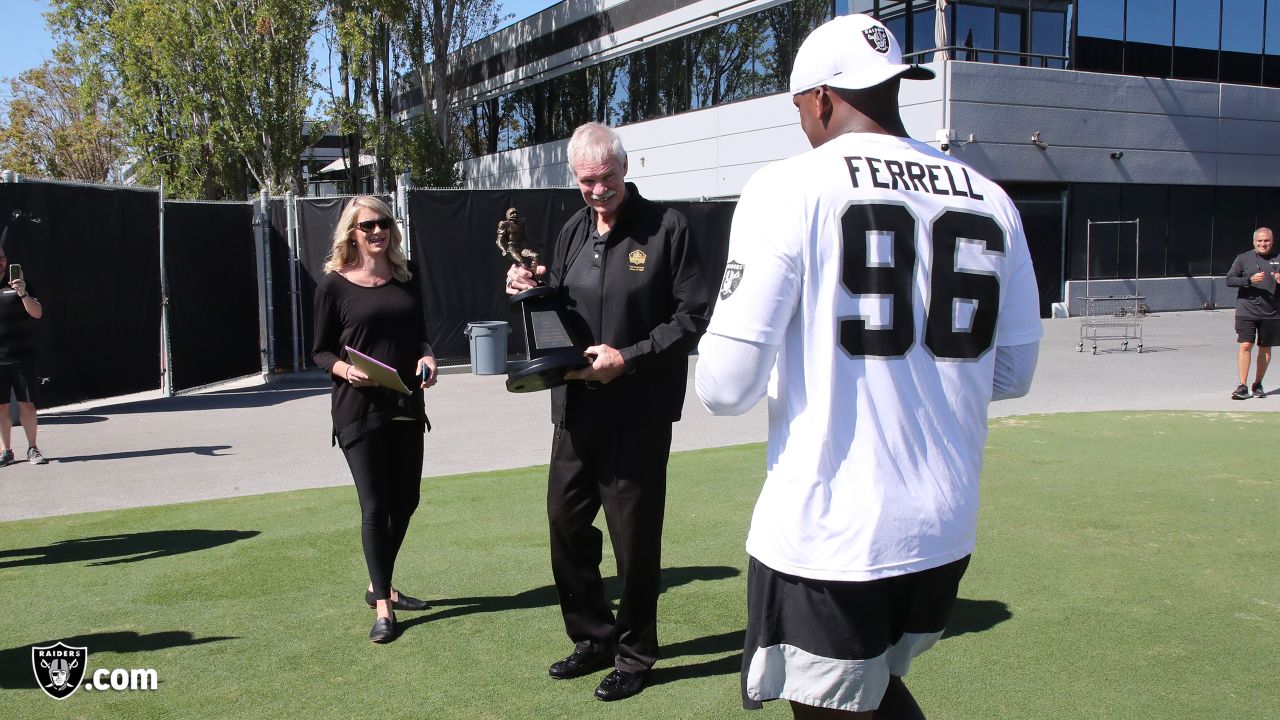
point(877, 38)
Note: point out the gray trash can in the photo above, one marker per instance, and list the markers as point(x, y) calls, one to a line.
point(488, 346)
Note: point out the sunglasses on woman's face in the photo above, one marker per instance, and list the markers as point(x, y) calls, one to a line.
point(369, 225)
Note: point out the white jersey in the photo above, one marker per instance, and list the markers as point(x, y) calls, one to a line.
point(887, 273)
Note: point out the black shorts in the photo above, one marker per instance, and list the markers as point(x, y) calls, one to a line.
point(1265, 333)
point(19, 379)
point(835, 644)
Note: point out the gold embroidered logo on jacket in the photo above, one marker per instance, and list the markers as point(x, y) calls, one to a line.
point(636, 259)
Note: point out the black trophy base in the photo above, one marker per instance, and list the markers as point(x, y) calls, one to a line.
point(542, 373)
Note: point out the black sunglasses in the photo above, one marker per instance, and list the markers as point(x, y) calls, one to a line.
point(369, 225)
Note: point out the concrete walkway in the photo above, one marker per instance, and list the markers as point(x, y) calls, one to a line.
point(249, 438)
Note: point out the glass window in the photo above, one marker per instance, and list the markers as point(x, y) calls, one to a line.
point(1196, 37)
point(975, 29)
point(1197, 24)
point(922, 26)
point(1242, 25)
point(1149, 21)
point(1102, 19)
point(1242, 30)
point(1190, 235)
point(1049, 36)
point(1271, 40)
point(1010, 33)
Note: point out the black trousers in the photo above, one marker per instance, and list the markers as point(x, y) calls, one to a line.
point(624, 470)
point(386, 465)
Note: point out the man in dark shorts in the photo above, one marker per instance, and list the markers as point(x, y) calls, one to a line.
point(881, 313)
point(17, 352)
point(1255, 272)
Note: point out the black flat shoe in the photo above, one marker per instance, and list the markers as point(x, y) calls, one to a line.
point(580, 663)
point(384, 630)
point(403, 603)
point(619, 685)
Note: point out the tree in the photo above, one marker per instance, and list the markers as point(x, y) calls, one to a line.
point(57, 124)
point(212, 92)
point(430, 32)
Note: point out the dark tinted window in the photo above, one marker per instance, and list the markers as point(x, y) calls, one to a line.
point(1234, 220)
point(1049, 36)
point(975, 30)
point(1190, 235)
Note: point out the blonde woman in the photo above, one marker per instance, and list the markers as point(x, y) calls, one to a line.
point(369, 300)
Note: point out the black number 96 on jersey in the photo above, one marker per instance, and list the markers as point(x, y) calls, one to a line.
point(948, 282)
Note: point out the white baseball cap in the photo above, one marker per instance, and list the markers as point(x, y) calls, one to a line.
point(852, 52)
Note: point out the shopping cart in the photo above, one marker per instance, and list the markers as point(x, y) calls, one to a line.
point(1114, 317)
point(1111, 317)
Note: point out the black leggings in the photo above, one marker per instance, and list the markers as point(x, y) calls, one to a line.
point(387, 467)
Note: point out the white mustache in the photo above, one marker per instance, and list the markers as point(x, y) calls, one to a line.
point(603, 198)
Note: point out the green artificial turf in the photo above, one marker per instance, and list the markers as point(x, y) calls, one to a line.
point(1126, 569)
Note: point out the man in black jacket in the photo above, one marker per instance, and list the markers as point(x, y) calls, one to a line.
point(1255, 272)
point(629, 275)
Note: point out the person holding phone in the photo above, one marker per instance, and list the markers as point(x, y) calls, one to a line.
point(369, 300)
point(18, 307)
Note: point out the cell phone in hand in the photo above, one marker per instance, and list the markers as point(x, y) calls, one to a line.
point(15, 272)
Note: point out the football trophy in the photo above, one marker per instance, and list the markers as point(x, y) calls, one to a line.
point(550, 348)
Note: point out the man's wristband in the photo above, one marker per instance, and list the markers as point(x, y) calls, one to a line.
point(24, 295)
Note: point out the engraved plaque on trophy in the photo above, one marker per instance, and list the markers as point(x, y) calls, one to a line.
point(549, 346)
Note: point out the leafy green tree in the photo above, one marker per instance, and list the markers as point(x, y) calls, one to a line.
point(57, 124)
point(213, 93)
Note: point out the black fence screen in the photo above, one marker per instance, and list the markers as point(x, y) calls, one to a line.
point(462, 268)
point(213, 292)
point(278, 287)
point(92, 257)
point(316, 220)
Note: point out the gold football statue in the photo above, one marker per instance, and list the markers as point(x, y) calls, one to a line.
point(515, 243)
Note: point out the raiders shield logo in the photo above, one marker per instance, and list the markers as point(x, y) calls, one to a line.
point(877, 38)
point(732, 276)
point(59, 668)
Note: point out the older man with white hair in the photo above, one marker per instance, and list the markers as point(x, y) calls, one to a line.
point(628, 273)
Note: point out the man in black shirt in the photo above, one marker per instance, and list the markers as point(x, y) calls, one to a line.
point(1255, 272)
point(17, 350)
point(628, 273)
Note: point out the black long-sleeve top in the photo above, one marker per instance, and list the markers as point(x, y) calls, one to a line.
point(651, 305)
point(1251, 301)
point(384, 322)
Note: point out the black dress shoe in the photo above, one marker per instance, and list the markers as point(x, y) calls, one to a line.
point(384, 630)
point(580, 663)
point(403, 603)
point(619, 685)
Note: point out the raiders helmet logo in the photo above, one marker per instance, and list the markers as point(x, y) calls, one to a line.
point(732, 276)
point(878, 39)
point(59, 668)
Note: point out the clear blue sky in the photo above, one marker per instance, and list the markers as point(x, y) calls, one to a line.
point(25, 41)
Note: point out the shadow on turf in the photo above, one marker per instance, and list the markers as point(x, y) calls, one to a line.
point(709, 645)
point(545, 596)
point(15, 663)
point(127, 548)
point(971, 616)
point(206, 450)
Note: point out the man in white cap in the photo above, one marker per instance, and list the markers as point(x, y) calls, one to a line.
point(881, 294)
